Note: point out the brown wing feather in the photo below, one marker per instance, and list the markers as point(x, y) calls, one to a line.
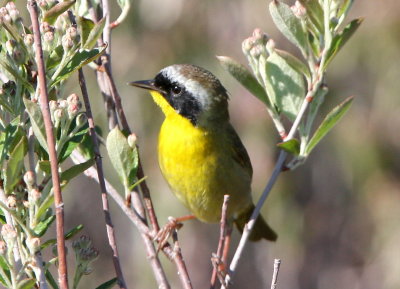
point(239, 152)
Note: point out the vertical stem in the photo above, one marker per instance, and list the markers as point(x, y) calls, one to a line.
point(221, 241)
point(274, 282)
point(109, 226)
point(44, 105)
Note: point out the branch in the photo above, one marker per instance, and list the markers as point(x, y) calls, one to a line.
point(109, 226)
point(44, 105)
point(274, 282)
point(221, 242)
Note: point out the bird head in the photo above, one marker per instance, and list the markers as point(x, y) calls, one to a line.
point(190, 91)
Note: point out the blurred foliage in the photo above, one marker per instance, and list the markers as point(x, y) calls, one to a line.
point(337, 216)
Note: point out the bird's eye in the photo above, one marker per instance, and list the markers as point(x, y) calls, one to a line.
point(176, 89)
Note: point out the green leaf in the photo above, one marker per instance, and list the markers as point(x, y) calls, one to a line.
point(288, 24)
point(122, 156)
point(291, 146)
point(45, 205)
point(340, 39)
point(26, 284)
point(345, 8)
point(51, 280)
point(36, 118)
point(17, 77)
point(4, 265)
point(315, 13)
point(55, 57)
point(328, 123)
point(48, 243)
point(80, 58)
point(109, 284)
point(285, 86)
point(294, 62)
point(15, 165)
point(241, 74)
point(75, 170)
point(73, 232)
point(94, 34)
point(45, 167)
point(51, 15)
point(42, 227)
point(85, 25)
point(72, 143)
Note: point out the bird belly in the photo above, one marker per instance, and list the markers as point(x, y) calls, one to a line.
point(198, 170)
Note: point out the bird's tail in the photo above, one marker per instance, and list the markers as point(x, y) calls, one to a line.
point(261, 229)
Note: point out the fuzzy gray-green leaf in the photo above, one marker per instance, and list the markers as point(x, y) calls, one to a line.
point(51, 15)
point(36, 118)
point(315, 13)
point(241, 74)
point(340, 39)
point(328, 123)
point(294, 62)
point(26, 284)
point(123, 157)
point(79, 59)
point(108, 285)
point(285, 86)
point(94, 34)
point(15, 165)
point(288, 24)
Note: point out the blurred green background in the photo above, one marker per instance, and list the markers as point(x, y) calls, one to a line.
point(337, 216)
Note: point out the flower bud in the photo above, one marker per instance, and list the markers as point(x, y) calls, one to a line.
point(28, 39)
point(73, 110)
point(259, 36)
point(81, 119)
point(299, 10)
point(247, 44)
point(72, 33)
point(3, 11)
point(11, 202)
point(270, 46)
point(8, 233)
point(73, 99)
point(10, 6)
point(132, 140)
point(53, 105)
point(58, 115)
point(62, 104)
point(26, 204)
point(34, 195)
point(14, 14)
point(29, 178)
point(67, 42)
point(48, 36)
point(33, 244)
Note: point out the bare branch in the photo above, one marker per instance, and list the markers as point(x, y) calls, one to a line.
point(44, 105)
point(221, 242)
point(274, 282)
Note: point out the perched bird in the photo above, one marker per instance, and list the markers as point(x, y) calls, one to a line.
point(200, 154)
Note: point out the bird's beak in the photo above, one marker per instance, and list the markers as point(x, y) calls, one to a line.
point(146, 84)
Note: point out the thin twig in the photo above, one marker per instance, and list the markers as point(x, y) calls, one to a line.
point(221, 242)
point(277, 265)
point(183, 274)
point(44, 105)
point(109, 226)
point(137, 221)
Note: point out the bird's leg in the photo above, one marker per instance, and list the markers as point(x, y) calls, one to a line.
point(173, 224)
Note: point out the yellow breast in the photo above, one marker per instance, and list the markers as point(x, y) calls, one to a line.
point(199, 169)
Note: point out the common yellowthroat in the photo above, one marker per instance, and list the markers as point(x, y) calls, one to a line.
point(200, 154)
